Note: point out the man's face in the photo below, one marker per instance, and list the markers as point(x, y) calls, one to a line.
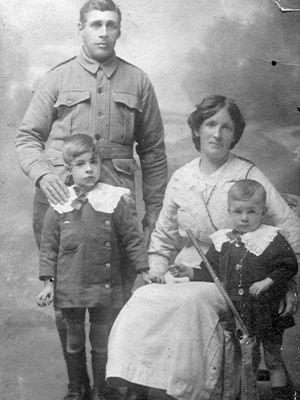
point(100, 32)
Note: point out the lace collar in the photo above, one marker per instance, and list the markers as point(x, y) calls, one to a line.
point(189, 176)
point(103, 198)
point(255, 242)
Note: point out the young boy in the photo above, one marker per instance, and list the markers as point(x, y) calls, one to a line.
point(255, 262)
point(80, 262)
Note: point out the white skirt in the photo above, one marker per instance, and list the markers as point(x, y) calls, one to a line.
point(171, 337)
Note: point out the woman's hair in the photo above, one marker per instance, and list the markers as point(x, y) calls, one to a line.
point(210, 106)
point(100, 5)
point(246, 189)
point(78, 144)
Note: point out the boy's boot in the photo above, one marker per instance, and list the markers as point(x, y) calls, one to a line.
point(78, 388)
point(101, 390)
point(282, 393)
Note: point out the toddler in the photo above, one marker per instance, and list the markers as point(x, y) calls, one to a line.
point(255, 263)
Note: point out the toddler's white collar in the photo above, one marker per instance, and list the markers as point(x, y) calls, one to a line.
point(255, 242)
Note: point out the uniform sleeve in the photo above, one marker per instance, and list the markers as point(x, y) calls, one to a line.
point(35, 129)
point(278, 212)
point(165, 239)
point(130, 236)
point(149, 135)
point(49, 244)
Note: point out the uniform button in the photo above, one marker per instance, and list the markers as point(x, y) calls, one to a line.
point(107, 265)
point(107, 222)
point(107, 244)
point(97, 136)
point(106, 286)
point(99, 90)
point(69, 101)
point(100, 113)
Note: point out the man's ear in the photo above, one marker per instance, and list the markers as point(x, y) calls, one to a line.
point(80, 28)
point(197, 133)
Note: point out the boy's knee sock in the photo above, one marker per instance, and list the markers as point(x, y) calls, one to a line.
point(62, 332)
point(99, 339)
point(76, 367)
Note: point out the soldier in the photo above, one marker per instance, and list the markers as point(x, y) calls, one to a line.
point(101, 95)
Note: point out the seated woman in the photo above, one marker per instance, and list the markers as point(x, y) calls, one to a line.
point(172, 337)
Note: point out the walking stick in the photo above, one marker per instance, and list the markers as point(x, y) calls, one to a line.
point(248, 379)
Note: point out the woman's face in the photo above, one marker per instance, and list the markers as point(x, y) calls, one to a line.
point(216, 135)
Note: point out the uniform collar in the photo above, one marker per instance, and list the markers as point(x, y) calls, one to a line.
point(108, 66)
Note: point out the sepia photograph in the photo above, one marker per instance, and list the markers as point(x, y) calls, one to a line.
point(150, 200)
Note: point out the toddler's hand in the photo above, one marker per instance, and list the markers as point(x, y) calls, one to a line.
point(259, 287)
point(180, 271)
point(45, 297)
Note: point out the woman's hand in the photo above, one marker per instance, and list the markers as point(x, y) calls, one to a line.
point(46, 296)
point(148, 279)
point(290, 305)
point(180, 271)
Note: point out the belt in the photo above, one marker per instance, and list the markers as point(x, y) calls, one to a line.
point(107, 152)
point(116, 152)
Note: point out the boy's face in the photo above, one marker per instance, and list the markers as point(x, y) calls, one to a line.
point(86, 170)
point(246, 215)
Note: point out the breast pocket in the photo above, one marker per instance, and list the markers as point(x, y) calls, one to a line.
point(73, 109)
point(127, 106)
point(70, 236)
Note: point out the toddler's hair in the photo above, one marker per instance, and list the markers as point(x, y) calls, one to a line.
point(78, 144)
point(245, 189)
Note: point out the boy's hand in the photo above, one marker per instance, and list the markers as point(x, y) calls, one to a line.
point(180, 271)
point(46, 296)
point(148, 279)
point(261, 286)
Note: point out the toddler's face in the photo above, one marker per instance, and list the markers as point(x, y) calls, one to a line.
point(86, 170)
point(246, 215)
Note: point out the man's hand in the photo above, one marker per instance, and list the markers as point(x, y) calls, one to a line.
point(148, 223)
point(46, 296)
point(148, 279)
point(261, 286)
point(54, 188)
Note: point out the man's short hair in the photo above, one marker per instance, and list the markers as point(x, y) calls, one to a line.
point(245, 189)
point(78, 144)
point(100, 5)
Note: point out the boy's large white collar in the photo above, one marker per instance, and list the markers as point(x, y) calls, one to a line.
point(255, 242)
point(103, 198)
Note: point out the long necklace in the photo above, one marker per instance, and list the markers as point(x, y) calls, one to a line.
point(206, 206)
point(238, 268)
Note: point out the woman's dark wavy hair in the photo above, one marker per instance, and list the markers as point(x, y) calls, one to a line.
point(100, 5)
point(210, 106)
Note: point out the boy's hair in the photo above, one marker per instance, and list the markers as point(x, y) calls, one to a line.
point(245, 189)
point(100, 5)
point(78, 144)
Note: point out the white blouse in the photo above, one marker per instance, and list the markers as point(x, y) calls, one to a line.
point(200, 204)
